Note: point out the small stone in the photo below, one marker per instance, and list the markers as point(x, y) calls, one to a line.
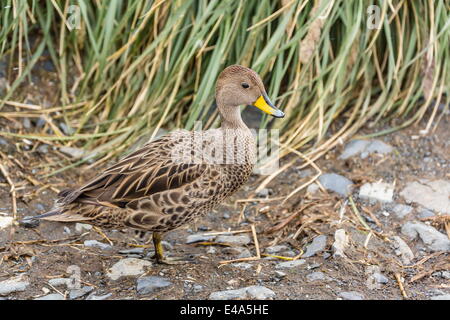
point(290, 264)
point(336, 183)
point(237, 240)
point(252, 292)
point(353, 148)
point(197, 288)
point(26, 123)
point(5, 222)
point(340, 243)
point(312, 188)
point(67, 131)
point(78, 293)
point(242, 265)
point(15, 284)
point(276, 249)
point(29, 222)
point(351, 295)
point(146, 285)
point(316, 276)
point(378, 191)
point(211, 250)
point(193, 238)
point(133, 251)
point(264, 192)
point(401, 210)
point(53, 296)
point(128, 267)
point(441, 297)
point(239, 252)
point(102, 297)
point(56, 282)
point(445, 275)
point(97, 244)
point(43, 148)
point(378, 146)
point(67, 230)
point(403, 250)
point(317, 245)
point(280, 274)
point(425, 213)
point(432, 238)
point(433, 195)
point(73, 152)
point(82, 227)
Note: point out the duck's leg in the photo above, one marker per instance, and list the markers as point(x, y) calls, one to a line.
point(159, 252)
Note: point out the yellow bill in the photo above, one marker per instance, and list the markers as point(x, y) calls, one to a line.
point(264, 104)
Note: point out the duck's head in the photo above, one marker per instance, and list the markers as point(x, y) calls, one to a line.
point(238, 85)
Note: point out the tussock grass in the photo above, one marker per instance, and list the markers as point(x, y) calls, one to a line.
point(137, 66)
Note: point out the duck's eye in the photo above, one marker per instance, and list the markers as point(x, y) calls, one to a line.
point(245, 85)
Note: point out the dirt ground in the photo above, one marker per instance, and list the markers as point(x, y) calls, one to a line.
point(47, 251)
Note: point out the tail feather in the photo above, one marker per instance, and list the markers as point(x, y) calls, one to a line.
point(51, 213)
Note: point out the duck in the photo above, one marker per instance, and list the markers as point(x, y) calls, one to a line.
point(177, 178)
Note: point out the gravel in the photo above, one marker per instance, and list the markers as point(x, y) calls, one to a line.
point(252, 292)
point(433, 195)
point(237, 240)
point(78, 293)
point(317, 245)
point(403, 250)
point(432, 238)
point(290, 264)
point(193, 238)
point(128, 267)
point(97, 244)
point(378, 191)
point(336, 183)
point(15, 284)
point(151, 284)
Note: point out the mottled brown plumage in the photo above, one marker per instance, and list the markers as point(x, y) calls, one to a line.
point(177, 178)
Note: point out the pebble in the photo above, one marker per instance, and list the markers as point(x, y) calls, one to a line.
point(146, 285)
point(336, 183)
point(56, 282)
point(432, 238)
point(97, 244)
point(133, 251)
point(425, 213)
point(378, 191)
point(43, 148)
point(238, 240)
point(242, 265)
point(433, 195)
point(52, 296)
point(276, 249)
point(193, 238)
point(252, 292)
point(351, 295)
point(403, 250)
point(401, 210)
point(5, 222)
point(280, 274)
point(78, 293)
point(239, 252)
point(82, 227)
point(94, 297)
point(378, 146)
point(340, 243)
point(128, 267)
point(264, 192)
point(290, 264)
point(312, 188)
point(317, 245)
point(441, 297)
point(316, 276)
point(353, 148)
point(73, 152)
point(15, 284)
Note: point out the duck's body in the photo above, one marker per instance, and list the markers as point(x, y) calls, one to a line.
point(180, 176)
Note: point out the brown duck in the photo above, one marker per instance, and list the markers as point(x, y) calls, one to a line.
point(179, 177)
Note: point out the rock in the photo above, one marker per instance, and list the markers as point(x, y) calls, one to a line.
point(43, 148)
point(264, 192)
point(425, 213)
point(146, 285)
point(312, 188)
point(73, 152)
point(239, 252)
point(290, 264)
point(280, 274)
point(78, 293)
point(375, 277)
point(445, 275)
point(193, 238)
point(340, 243)
point(128, 267)
point(5, 222)
point(57, 282)
point(353, 148)
point(53, 296)
point(133, 251)
point(378, 146)
point(432, 238)
point(242, 265)
point(29, 222)
point(102, 297)
point(237, 240)
point(317, 245)
point(441, 297)
point(378, 191)
point(401, 210)
point(97, 244)
point(252, 292)
point(351, 295)
point(15, 284)
point(317, 276)
point(336, 183)
point(276, 249)
point(82, 227)
point(402, 250)
point(433, 195)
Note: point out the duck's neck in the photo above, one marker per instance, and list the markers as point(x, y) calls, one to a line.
point(231, 118)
